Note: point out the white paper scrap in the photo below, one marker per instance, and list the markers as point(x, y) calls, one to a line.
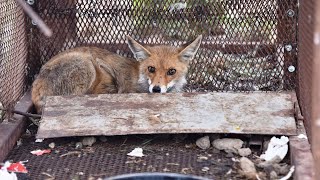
point(302, 136)
point(137, 152)
point(276, 147)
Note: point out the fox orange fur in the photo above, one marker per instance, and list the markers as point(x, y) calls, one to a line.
point(90, 70)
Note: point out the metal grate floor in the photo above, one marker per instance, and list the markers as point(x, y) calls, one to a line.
point(104, 159)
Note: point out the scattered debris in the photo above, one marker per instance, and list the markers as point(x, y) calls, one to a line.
point(244, 152)
point(274, 167)
point(166, 170)
point(17, 167)
point(173, 164)
point(229, 172)
point(137, 152)
point(276, 147)
point(247, 168)
point(267, 164)
point(19, 142)
point(154, 119)
point(203, 143)
point(186, 170)
point(71, 153)
point(205, 169)
point(228, 144)
point(103, 138)
point(28, 133)
point(235, 160)
point(302, 136)
point(281, 169)
point(4, 174)
point(49, 176)
point(80, 173)
point(79, 145)
point(39, 140)
point(88, 141)
point(40, 152)
point(8, 170)
point(52, 145)
point(229, 155)
point(202, 158)
point(273, 175)
point(289, 174)
point(189, 146)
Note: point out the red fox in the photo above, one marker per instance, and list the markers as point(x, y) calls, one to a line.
point(91, 70)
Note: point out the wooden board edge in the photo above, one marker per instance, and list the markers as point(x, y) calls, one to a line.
point(11, 131)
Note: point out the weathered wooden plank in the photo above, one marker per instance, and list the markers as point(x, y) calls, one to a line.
point(120, 114)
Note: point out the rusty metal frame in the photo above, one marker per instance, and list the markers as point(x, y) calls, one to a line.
point(309, 74)
point(316, 92)
point(300, 155)
point(11, 131)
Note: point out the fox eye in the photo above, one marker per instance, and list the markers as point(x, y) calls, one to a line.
point(171, 72)
point(151, 69)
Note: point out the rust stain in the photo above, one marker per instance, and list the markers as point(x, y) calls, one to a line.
point(191, 94)
point(55, 113)
point(188, 94)
point(125, 105)
point(154, 119)
point(284, 113)
point(278, 131)
point(130, 121)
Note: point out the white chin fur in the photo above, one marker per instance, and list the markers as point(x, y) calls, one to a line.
point(150, 88)
point(170, 85)
point(163, 89)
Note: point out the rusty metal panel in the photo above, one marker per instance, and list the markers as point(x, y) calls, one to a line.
point(119, 114)
point(305, 60)
point(316, 92)
point(309, 76)
point(10, 131)
point(300, 155)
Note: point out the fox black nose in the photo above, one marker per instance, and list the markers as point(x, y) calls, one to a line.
point(156, 89)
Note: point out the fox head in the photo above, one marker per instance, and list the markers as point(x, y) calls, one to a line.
point(163, 68)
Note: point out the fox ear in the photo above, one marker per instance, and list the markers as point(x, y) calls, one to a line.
point(139, 52)
point(188, 53)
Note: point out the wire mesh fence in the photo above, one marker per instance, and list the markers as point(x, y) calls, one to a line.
point(13, 52)
point(248, 45)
